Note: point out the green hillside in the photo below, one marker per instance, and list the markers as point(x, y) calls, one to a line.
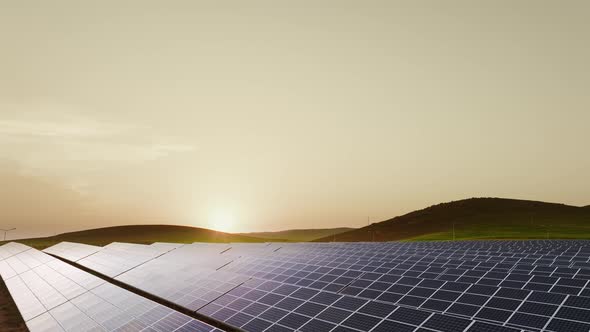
point(299, 235)
point(145, 234)
point(480, 218)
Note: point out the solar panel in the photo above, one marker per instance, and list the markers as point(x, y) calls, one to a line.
point(167, 246)
point(72, 251)
point(54, 296)
point(420, 286)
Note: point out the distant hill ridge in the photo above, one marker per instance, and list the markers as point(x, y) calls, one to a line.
point(145, 234)
point(474, 218)
point(479, 218)
point(299, 235)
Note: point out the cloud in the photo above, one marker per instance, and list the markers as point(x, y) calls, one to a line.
point(49, 129)
point(56, 140)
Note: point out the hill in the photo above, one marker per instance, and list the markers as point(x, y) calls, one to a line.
point(145, 234)
point(480, 218)
point(299, 235)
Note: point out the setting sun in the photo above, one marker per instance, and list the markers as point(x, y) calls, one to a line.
point(223, 221)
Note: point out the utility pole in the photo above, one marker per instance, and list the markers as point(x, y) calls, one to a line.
point(6, 231)
point(453, 231)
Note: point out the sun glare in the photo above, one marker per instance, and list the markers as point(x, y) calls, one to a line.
point(222, 221)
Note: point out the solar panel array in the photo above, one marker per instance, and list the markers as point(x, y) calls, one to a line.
point(395, 286)
point(52, 295)
point(72, 251)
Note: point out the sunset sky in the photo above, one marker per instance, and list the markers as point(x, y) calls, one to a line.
point(269, 115)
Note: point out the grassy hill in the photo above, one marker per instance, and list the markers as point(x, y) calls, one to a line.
point(299, 235)
point(475, 218)
point(145, 234)
point(480, 218)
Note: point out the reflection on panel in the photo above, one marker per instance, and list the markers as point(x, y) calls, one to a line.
point(52, 295)
point(72, 251)
point(396, 286)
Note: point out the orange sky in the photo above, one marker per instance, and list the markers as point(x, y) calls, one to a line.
point(270, 116)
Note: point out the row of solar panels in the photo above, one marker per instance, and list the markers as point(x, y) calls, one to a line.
point(490, 245)
point(54, 296)
point(563, 257)
point(503, 261)
point(558, 249)
point(393, 286)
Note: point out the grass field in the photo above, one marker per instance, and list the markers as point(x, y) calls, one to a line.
point(299, 235)
point(514, 232)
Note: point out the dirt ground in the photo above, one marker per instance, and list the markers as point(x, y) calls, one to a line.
point(10, 318)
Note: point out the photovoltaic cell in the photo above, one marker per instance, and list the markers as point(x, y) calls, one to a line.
point(420, 286)
point(54, 296)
